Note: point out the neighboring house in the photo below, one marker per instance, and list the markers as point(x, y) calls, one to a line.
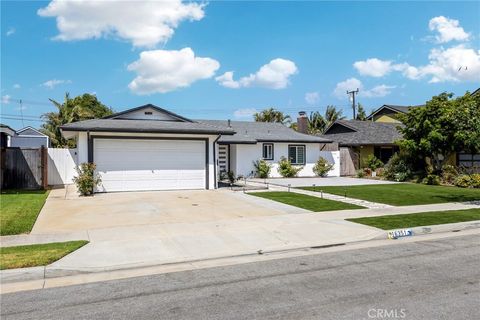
point(5, 135)
point(253, 141)
point(150, 148)
point(364, 138)
point(29, 137)
point(389, 113)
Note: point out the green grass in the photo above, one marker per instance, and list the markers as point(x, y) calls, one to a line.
point(419, 219)
point(404, 194)
point(37, 254)
point(20, 210)
point(304, 201)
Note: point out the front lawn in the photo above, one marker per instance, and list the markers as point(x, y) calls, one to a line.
point(20, 209)
point(404, 194)
point(419, 219)
point(304, 201)
point(37, 254)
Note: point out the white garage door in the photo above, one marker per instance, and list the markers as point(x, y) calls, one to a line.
point(141, 164)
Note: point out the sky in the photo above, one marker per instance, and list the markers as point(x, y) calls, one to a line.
point(229, 59)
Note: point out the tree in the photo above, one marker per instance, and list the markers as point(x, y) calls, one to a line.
point(272, 115)
point(332, 115)
point(316, 123)
point(441, 128)
point(361, 114)
point(82, 107)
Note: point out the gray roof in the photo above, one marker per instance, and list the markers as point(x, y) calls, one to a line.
point(402, 109)
point(364, 133)
point(146, 126)
point(6, 129)
point(253, 132)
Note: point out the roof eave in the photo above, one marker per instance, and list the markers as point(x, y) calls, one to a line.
point(146, 131)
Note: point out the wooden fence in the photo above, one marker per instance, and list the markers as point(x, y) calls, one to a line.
point(61, 165)
point(24, 168)
point(348, 162)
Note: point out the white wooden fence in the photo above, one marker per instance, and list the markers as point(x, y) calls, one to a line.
point(61, 165)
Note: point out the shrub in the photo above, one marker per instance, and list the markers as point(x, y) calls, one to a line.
point(87, 179)
point(449, 173)
point(360, 173)
point(397, 168)
point(431, 179)
point(373, 162)
point(231, 177)
point(262, 168)
point(322, 167)
point(475, 180)
point(463, 181)
point(286, 169)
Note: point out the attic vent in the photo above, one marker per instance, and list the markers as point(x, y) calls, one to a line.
point(148, 113)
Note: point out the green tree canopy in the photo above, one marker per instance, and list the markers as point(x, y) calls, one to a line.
point(332, 115)
point(361, 114)
point(272, 115)
point(316, 123)
point(444, 126)
point(82, 107)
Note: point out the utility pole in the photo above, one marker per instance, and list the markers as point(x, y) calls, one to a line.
point(353, 93)
point(21, 111)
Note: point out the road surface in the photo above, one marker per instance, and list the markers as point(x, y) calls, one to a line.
point(421, 280)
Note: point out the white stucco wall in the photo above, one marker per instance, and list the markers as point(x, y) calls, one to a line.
point(243, 156)
point(82, 147)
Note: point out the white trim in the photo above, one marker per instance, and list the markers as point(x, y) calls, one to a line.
point(31, 128)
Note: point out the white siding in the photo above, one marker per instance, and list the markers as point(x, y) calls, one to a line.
point(245, 154)
point(140, 115)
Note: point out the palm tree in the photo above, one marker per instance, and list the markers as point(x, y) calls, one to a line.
point(79, 108)
point(272, 115)
point(316, 123)
point(332, 115)
point(361, 114)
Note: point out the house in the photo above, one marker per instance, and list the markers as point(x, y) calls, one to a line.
point(29, 137)
point(389, 113)
point(6, 134)
point(150, 148)
point(364, 138)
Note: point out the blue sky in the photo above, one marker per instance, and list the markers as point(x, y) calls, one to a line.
point(289, 55)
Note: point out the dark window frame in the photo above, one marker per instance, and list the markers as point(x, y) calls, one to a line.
point(263, 151)
point(296, 154)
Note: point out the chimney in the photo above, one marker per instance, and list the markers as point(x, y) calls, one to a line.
point(302, 122)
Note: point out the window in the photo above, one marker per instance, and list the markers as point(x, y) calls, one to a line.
point(468, 160)
point(296, 154)
point(267, 153)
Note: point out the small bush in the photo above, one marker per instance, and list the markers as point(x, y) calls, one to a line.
point(449, 173)
point(262, 168)
point(380, 172)
point(475, 178)
point(231, 177)
point(431, 179)
point(373, 162)
point(397, 168)
point(87, 179)
point(322, 167)
point(286, 169)
point(360, 173)
point(463, 181)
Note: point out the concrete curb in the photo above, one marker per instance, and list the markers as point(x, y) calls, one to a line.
point(12, 276)
point(440, 228)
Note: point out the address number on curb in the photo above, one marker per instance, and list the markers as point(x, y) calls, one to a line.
point(400, 233)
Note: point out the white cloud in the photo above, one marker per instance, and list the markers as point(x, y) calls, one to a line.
point(312, 97)
point(226, 80)
point(163, 70)
point(353, 83)
point(5, 99)
point(348, 85)
point(144, 23)
point(448, 29)
point(16, 86)
point(50, 84)
point(373, 67)
point(245, 113)
point(377, 91)
point(274, 75)
point(10, 31)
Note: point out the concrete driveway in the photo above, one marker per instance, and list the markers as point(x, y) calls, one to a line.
point(65, 212)
point(327, 181)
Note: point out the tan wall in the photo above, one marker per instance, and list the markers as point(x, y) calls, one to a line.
point(365, 151)
point(386, 118)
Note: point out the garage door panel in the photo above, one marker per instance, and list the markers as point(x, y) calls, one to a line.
point(136, 164)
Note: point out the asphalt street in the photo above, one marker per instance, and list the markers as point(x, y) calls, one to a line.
point(421, 280)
